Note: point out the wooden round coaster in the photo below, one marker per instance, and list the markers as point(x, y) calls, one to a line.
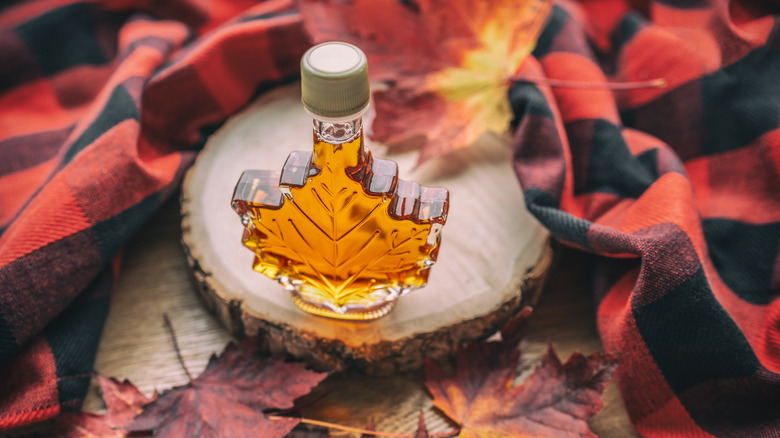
point(492, 261)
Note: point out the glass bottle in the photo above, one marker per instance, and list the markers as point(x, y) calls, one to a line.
point(336, 226)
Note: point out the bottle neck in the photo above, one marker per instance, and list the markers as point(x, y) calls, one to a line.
point(339, 143)
point(338, 132)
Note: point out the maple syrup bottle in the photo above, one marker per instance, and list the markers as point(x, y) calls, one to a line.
point(336, 226)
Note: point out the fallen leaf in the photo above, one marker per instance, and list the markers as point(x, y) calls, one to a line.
point(449, 63)
point(556, 400)
point(229, 397)
point(123, 402)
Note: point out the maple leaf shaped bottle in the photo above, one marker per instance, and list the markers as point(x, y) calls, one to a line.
point(336, 226)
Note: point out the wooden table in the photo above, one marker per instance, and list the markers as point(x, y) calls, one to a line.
point(155, 280)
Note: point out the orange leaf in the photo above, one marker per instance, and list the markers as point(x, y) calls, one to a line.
point(449, 63)
point(557, 400)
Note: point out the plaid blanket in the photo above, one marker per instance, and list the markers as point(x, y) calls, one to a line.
point(675, 191)
point(102, 107)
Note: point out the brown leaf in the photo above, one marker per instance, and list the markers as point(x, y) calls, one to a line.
point(229, 398)
point(555, 401)
point(449, 62)
point(123, 402)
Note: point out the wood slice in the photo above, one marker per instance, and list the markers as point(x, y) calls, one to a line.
point(493, 256)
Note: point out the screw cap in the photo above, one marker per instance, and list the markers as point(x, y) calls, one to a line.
point(334, 80)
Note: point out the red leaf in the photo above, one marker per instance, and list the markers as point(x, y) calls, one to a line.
point(123, 402)
point(384, 29)
point(449, 63)
point(229, 398)
point(557, 400)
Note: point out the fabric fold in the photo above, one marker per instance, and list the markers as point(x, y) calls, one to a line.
point(101, 112)
point(677, 190)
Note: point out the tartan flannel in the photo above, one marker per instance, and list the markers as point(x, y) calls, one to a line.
point(676, 191)
point(102, 108)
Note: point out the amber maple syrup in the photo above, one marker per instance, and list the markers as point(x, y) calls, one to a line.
point(338, 228)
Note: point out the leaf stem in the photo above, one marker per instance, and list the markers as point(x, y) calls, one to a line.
point(176, 348)
point(616, 86)
point(362, 431)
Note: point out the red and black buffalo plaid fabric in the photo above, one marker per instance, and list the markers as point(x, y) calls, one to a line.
point(103, 105)
point(675, 190)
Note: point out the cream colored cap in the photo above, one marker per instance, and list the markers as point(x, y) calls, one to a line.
point(334, 80)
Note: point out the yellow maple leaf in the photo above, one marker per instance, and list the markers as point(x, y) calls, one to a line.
point(449, 62)
point(477, 89)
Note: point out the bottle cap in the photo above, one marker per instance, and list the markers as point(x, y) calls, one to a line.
point(334, 80)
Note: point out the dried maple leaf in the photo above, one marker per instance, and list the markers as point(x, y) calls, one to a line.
point(229, 397)
point(555, 401)
point(123, 402)
point(449, 62)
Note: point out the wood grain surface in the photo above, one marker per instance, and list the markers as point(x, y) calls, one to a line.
point(155, 280)
point(477, 283)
